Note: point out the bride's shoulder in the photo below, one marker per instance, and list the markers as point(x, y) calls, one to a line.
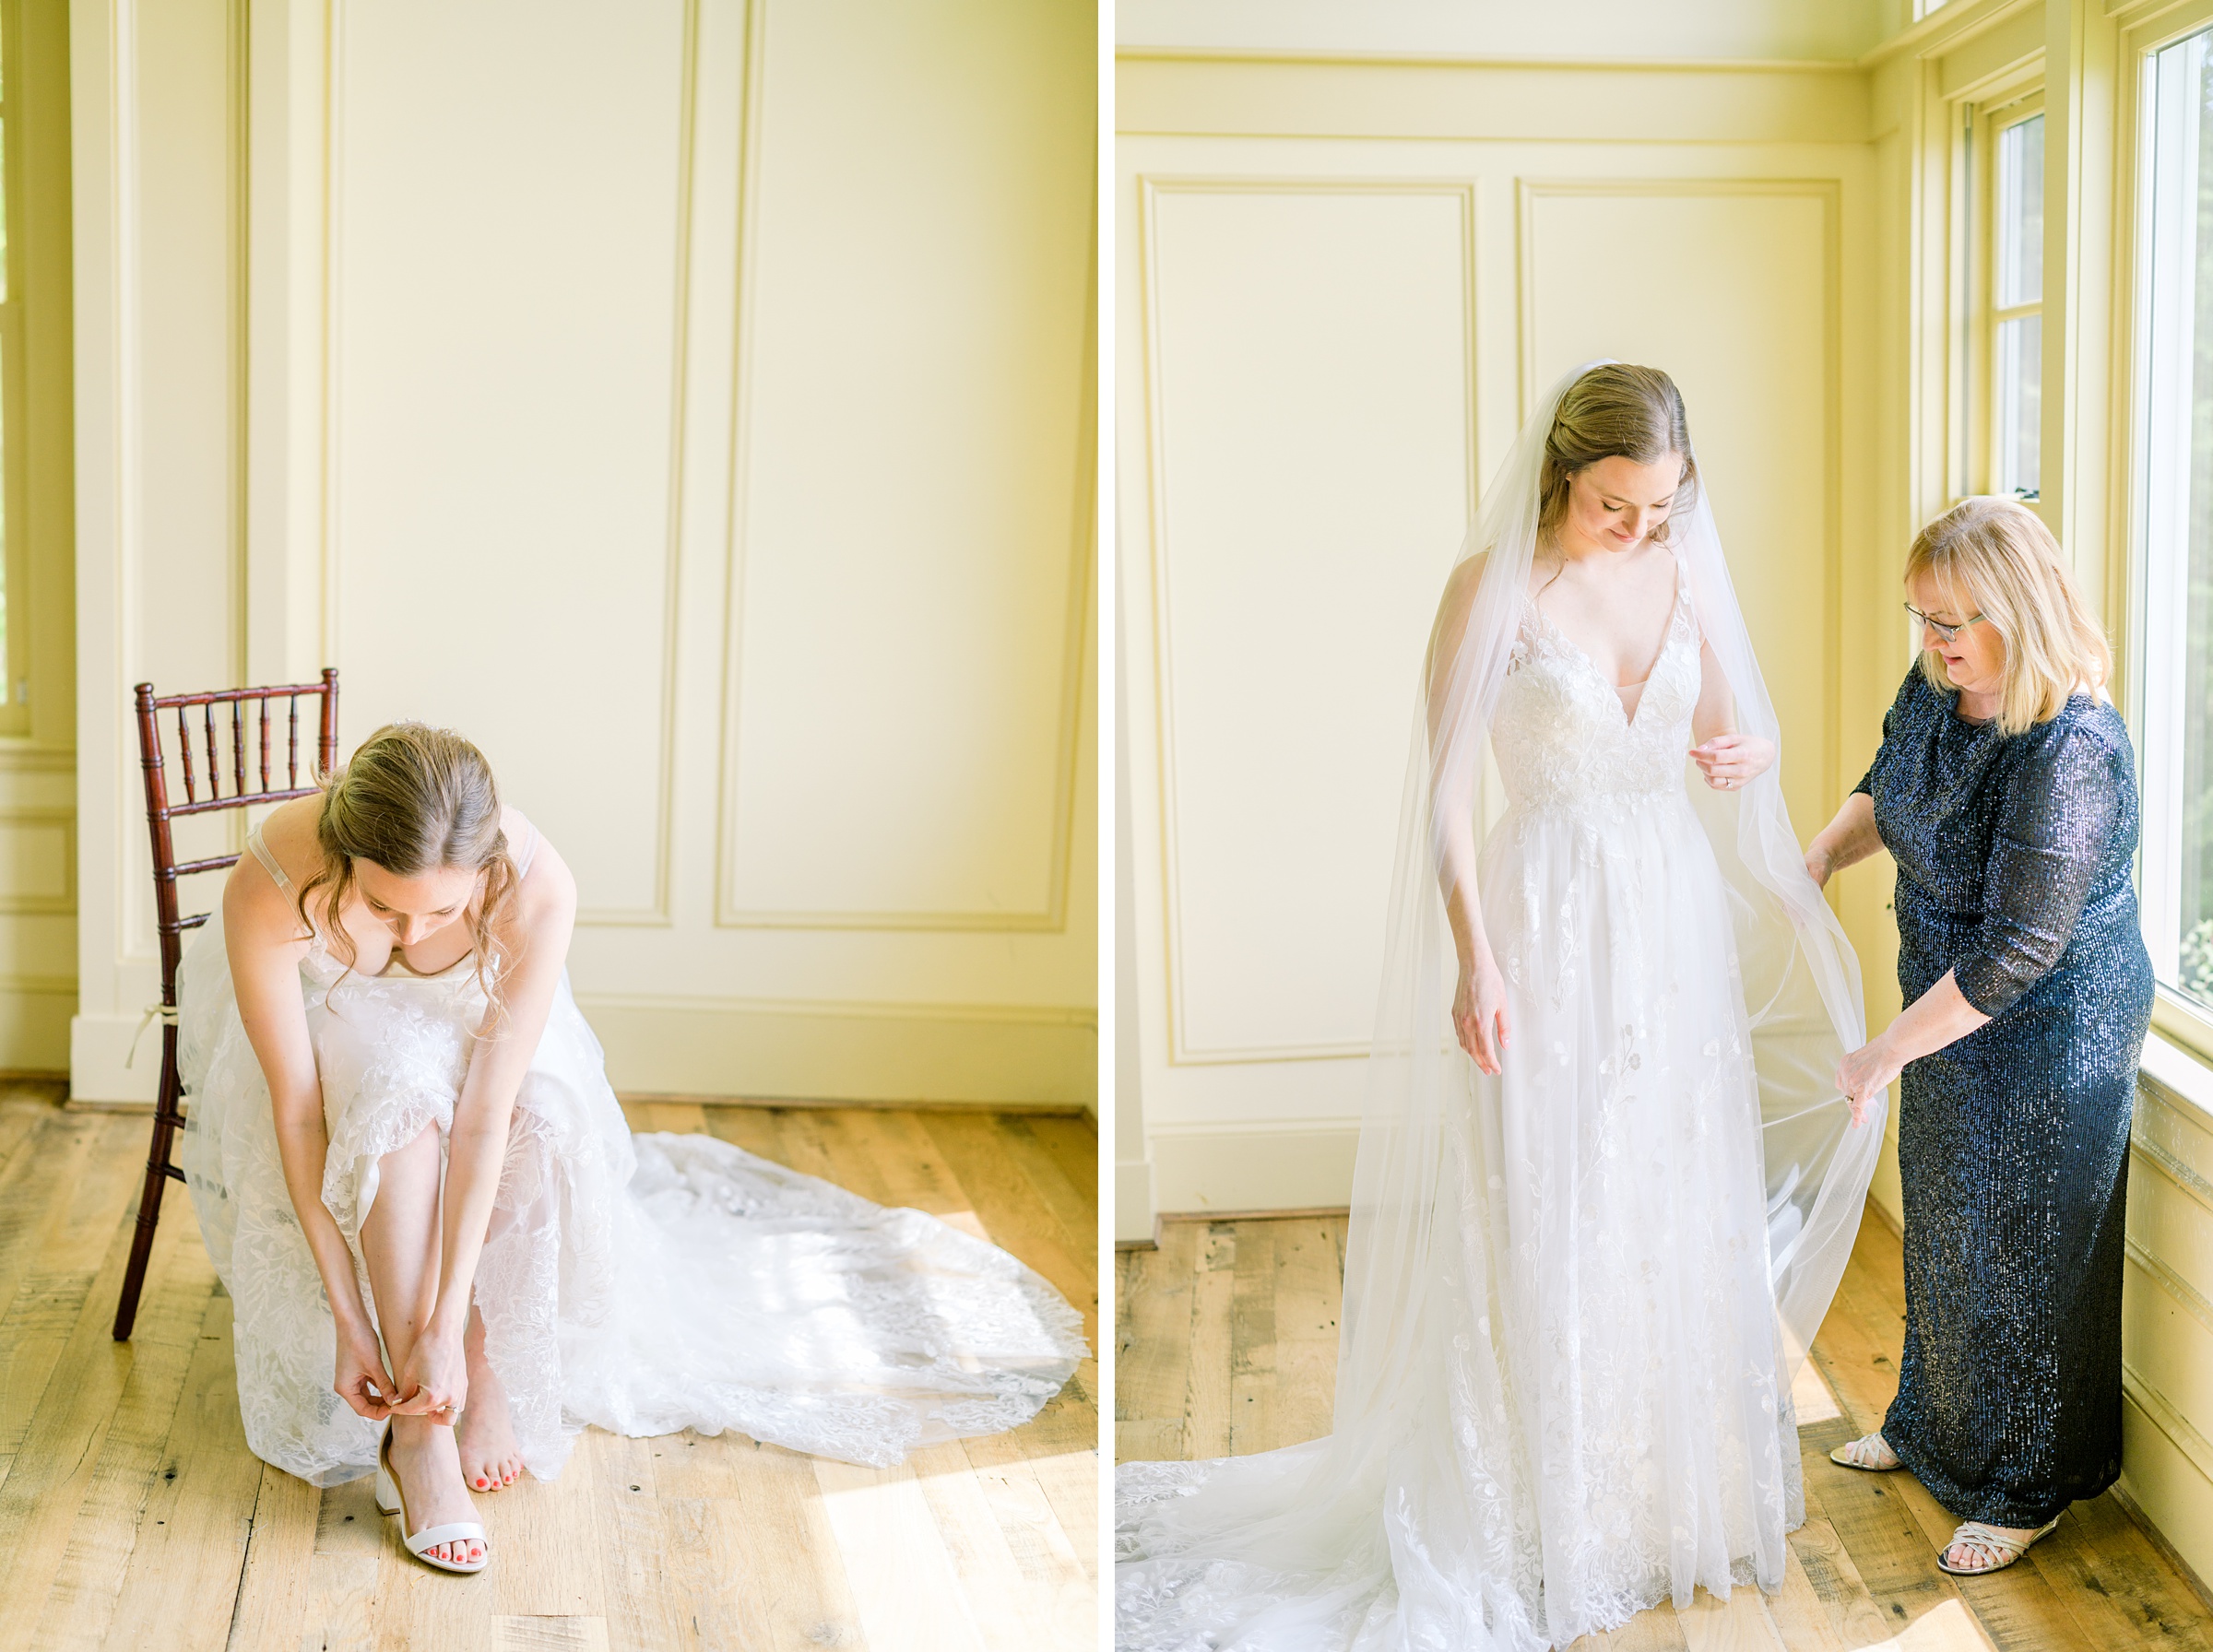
point(1462, 582)
point(287, 833)
point(545, 883)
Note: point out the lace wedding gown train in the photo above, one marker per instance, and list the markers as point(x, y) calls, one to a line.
point(641, 1283)
point(1600, 1414)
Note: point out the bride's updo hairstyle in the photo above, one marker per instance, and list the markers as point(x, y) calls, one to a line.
point(415, 800)
point(1614, 411)
point(1996, 557)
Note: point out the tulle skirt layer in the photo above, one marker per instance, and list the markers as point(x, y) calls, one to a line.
point(645, 1285)
point(1598, 1419)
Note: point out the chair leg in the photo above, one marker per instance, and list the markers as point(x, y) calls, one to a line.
point(149, 1198)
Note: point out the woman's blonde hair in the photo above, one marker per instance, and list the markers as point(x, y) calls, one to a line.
point(1614, 411)
point(415, 800)
point(1997, 556)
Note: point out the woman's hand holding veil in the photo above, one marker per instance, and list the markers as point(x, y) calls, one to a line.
point(1731, 761)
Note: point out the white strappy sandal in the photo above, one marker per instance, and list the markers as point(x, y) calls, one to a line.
point(391, 1500)
point(2003, 1550)
point(1868, 1453)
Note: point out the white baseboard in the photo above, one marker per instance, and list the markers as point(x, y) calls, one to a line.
point(1273, 1167)
point(817, 1052)
point(863, 1054)
point(1133, 1202)
point(98, 1047)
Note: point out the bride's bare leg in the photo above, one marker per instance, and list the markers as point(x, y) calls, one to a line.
point(400, 1242)
point(489, 1458)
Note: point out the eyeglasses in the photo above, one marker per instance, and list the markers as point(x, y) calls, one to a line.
point(1947, 631)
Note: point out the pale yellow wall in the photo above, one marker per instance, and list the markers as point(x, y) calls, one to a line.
point(38, 805)
point(692, 406)
point(1341, 283)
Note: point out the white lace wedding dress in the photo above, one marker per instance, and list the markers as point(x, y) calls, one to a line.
point(1604, 1417)
point(641, 1283)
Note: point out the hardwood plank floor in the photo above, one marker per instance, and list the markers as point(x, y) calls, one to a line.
point(132, 1515)
point(1226, 1342)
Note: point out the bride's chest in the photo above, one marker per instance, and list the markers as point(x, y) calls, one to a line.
point(442, 965)
point(1553, 695)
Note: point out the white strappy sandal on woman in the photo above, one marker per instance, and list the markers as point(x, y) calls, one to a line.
point(2002, 1550)
point(1870, 1452)
point(391, 1500)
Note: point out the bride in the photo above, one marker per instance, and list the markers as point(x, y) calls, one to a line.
point(445, 1250)
point(1605, 1185)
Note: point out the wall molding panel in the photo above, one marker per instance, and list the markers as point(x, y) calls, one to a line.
point(340, 557)
point(1023, 888)
point(34, 879)
point(1185, 872)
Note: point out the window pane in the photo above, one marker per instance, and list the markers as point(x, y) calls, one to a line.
point(2020, 213)
point(2177, 528)
point(2018, 420)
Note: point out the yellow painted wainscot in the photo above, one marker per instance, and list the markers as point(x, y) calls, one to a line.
point(2167, 1339)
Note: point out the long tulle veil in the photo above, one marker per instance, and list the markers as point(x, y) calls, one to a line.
point(1374, 1536)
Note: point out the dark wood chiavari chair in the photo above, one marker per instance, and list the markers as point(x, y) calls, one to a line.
point(238, 725)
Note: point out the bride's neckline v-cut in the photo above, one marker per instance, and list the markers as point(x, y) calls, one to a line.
point(1667, 641)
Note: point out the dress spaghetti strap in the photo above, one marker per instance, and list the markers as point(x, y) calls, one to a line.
point(268, 861)
point(522, 861)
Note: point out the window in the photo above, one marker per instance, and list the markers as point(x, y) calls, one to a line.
point(2174, 527)
point(15, 556)
point(2013, 298)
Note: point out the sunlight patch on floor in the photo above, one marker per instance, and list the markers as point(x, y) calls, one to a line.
point(1950, 1627)
point(1810, 1394)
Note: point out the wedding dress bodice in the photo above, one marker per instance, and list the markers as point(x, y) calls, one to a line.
point(1561, 735)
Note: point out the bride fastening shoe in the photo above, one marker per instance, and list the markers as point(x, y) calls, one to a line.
point(391, 1500)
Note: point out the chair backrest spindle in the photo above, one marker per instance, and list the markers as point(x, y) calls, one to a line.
point(185, 751)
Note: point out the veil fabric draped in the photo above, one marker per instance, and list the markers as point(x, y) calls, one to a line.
point(1412, 1524)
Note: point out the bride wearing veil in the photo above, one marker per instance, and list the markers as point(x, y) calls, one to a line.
point(1606, 1183)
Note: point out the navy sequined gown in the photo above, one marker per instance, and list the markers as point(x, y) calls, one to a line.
point(2013, 874)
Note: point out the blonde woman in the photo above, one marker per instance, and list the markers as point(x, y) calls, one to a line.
point(445, 1250)
point(2005, 791)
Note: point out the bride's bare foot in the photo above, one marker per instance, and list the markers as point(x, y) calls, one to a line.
point(429, 1471)
point(490, 1460)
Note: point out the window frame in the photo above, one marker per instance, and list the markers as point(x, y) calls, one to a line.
point(15, 480)
point(1986, 119)
point(2179, 1020)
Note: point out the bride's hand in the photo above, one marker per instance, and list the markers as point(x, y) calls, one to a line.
point(362, 1382)
point(1731, 761)
point(1479, 1019)
point(433, 1382)
point(1863, 1074)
